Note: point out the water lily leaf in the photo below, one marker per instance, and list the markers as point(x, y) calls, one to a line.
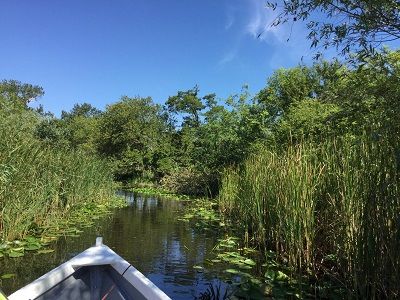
point(18, 249)
point(183, 220)
point(227, 245)
point(255, 281)
point(73, 235)
point(32, 247)
point(232, 271)
point(47, 239)
point(198, 268)
point(44, 251)
point(14, 254)
point(243, 266)
point(250, 262)
point(281, 276)
point(270, 274)
point(8, 276)
point(31, 239)
point(244, 274)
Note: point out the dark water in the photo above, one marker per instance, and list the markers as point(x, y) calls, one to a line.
point(147, 234)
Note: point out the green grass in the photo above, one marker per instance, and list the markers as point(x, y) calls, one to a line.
point(328, 210)
point(40, 184)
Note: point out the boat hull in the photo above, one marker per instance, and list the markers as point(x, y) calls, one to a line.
point(96, 273)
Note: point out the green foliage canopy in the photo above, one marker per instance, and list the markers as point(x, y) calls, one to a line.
point(133, 133)
point(347, 25)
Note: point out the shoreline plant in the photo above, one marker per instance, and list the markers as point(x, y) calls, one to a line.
point(41, 184)
point(328, 210)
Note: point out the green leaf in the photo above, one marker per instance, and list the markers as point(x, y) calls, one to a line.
point(255, 281)
point(250, 262)
point(243, 266)
point(14, 254)
point(281, 276)
point(73, 235)
point(44, 251)
point(32, 247)
point(270, 274)
point(18, 249)
point(31, 239)
point(232, 271)
point(8, 276)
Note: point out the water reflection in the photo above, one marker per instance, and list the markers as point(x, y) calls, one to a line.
point(147, 234)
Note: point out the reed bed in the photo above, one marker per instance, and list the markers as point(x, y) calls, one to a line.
point(326, 209)
point(39, 184)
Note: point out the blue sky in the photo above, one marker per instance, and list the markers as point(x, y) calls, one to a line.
point(98, 50)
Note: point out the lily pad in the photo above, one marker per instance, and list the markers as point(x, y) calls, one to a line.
point(281, 276)
point(249, 262)
point(270, 274)
point(255, 281)
point(44, 251)
point(31, 239)
point(8, 276)
point(32, 247)
point(14, 254)
point(232, 271)
point(18, 249)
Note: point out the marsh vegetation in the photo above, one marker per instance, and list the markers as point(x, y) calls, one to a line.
point(307, 168)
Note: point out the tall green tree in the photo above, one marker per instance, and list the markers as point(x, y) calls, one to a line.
point(81, 110)
point(359, 26)
point(18, 95)
point(189, 104)
point(297, 102)
point(81, 126)
point(132, 132)
point(329, 98)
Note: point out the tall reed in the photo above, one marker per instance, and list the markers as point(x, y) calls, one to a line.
point(339, 200)
point(40, 184)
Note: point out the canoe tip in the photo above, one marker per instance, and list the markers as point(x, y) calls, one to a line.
point(99, 241)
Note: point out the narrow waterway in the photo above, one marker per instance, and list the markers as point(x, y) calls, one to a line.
point(147, 234)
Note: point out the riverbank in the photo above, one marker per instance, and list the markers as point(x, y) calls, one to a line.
point(328, 210)
point(39, 240)
point(42, 185)
point(249, 270)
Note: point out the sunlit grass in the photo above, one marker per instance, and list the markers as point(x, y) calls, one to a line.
point(328, 209)
point(40, 184)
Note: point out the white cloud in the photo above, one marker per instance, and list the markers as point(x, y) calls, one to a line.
point(286, 42)
point(289, 37)
point(260, 22)
point(228, 57)
point(230, 19)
